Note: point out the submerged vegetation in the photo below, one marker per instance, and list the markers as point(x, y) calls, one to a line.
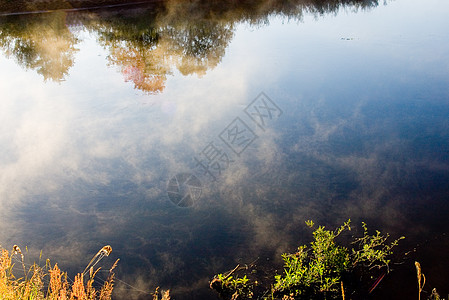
point(322, 270)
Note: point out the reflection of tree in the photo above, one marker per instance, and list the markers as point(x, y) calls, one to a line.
point(189, 35)
point(145, 48)
point(141, 68)
point(133, 44)
point(40, 42)
point(147, 42)
point(200, 47)
point(192, 50)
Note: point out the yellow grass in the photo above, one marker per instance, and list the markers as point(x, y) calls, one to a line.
point(32, 284)
point(164, 294)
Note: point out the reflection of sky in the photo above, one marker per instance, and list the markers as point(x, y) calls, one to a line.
point(364, 135)
point(393, 38)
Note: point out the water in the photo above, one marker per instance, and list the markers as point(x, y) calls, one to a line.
point(195, 137)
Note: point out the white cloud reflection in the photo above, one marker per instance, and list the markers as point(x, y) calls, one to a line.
point(87, 160)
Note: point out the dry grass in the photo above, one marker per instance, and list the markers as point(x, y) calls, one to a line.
point(164, 294)
point(50, 282)
point(421, 279)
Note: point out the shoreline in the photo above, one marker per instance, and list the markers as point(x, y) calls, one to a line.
point(23, 7)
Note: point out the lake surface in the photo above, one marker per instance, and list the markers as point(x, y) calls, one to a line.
point(192, 137)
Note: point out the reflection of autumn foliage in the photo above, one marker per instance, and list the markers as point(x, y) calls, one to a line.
point(148, 42)
point(134, 68)
point(41, 42)
point(147, 59)
point(191, 36)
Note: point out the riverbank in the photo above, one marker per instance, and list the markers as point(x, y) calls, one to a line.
point(22, 6)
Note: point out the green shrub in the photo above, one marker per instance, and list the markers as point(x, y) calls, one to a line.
point(320, 270)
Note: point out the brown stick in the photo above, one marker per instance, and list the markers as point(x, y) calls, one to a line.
point(232, 271)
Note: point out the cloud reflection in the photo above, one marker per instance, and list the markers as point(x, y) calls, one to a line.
point(81, 170)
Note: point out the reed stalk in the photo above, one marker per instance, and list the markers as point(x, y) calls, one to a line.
point(421, 279)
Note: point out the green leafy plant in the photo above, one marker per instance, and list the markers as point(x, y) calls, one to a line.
point(317, 270)
point(240, 285)
point(233, 287)
point(320, 270)
point(373, 251)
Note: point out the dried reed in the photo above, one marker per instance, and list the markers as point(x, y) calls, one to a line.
point(12, 288)
point(106, 290)
point(165, 294)
point(421, 279)
point(16, 250)
point(342, 291)
point(105, 251)
point(57, 288)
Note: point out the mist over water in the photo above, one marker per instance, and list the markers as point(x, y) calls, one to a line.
point(194, 136)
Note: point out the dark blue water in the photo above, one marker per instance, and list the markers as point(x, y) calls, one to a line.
point(194, 137)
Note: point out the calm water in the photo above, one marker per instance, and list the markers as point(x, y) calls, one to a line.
point(192, 138)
